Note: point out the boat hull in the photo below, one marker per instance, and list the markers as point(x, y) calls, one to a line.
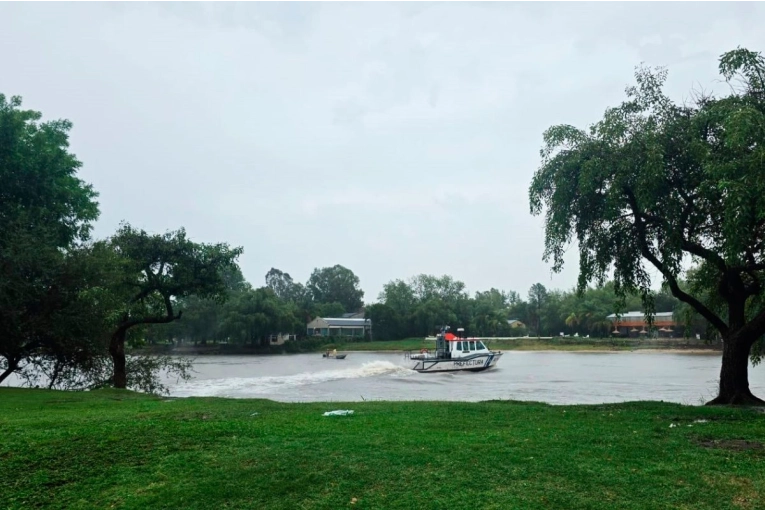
point(475, 363)
point(338, 356)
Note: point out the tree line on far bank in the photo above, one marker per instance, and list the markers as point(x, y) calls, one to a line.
point(417, 307)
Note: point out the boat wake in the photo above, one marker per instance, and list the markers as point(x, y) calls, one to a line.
point(254, 386)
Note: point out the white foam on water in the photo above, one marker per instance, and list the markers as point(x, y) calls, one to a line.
point(229, 387)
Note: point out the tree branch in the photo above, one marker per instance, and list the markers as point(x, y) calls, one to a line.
point(168, 305)
point(169, 317)
point(8, 371)
point(706, 254)
point(645, 250)
point(149, 320)
point(143, 294)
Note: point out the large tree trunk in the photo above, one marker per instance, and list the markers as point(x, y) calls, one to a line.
point(117, 351)
point(734, 374)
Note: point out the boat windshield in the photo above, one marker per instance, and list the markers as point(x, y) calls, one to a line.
point(465, 345)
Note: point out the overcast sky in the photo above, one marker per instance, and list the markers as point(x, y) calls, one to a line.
point(391, 138)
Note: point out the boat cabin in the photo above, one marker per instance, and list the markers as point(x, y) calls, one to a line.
point(449, 345)
point(454, 353)
point(465, 347)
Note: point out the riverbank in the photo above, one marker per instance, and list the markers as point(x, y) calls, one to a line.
point(118, 449)
point(417, 344)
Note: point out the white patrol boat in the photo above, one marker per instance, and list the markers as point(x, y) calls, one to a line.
point(454, 353)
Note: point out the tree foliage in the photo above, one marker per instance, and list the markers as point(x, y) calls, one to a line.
point(284, 287)
point(151, 272)
point(60, 295)
point(250, 316)
point(45, 214)
point(336, 284)
point(404, 311)
point(537, 302)
point(658, 183)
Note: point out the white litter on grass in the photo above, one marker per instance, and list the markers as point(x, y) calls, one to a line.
point(339, 412)
point(700, 421)
point(672, 425)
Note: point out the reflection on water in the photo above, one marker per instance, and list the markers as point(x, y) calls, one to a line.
point(553, 377)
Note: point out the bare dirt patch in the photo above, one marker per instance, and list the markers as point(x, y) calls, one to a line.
point(737, 445)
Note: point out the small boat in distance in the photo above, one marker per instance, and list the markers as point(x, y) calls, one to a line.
point(454, 353)
point(333, 355)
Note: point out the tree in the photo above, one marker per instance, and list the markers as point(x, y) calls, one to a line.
point(329, 309)
point(399, 296)
point(427, 287)
point(150, 272)
point(45, 213)
point(62, 326)
point(336, 284)
point(431, 315)
point(386, 322)
point(252, 316)
point(537, 300)
point(284, 287)
point(201, 317)
point(572, 320)
point(654, 182)
point(489, 313)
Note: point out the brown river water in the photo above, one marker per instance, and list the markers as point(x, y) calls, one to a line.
point(555, 377)
point(549, 376)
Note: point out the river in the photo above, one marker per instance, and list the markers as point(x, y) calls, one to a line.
point(555, 377)
point(549, 376)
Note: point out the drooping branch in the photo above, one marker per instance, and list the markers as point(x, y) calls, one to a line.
point(645, 250)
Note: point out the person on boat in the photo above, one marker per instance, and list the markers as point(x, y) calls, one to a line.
point(334, 352)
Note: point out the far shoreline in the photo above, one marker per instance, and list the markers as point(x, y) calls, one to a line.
point(402, 347)
point(574, 351)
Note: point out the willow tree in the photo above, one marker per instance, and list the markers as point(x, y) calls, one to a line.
point(655, 183)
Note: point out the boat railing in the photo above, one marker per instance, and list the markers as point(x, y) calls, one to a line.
point(417, 355)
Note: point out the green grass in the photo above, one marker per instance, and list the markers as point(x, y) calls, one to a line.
point(117, 449)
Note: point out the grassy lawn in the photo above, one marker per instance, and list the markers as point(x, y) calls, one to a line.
point(117, 449)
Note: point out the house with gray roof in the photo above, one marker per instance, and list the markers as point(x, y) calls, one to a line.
point(339, 326)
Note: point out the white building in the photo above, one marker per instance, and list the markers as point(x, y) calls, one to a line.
point(329, 326)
